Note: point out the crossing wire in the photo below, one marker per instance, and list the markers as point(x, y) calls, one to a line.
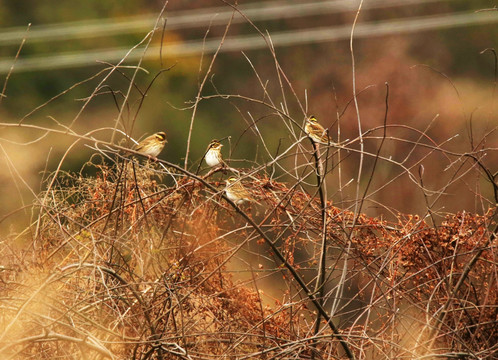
point(252, 42)
point(258, 11)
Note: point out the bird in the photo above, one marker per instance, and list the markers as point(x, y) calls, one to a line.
point(213, 154)
point(317, 132)
point(152, 145)
point(236, 192)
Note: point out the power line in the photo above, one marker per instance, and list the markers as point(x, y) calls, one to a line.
point(192, 18)
point(251, 42)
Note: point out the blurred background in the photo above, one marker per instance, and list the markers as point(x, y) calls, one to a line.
point(429, 52)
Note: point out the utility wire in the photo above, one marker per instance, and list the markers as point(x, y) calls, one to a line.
point(258, 11)
point(251, 42)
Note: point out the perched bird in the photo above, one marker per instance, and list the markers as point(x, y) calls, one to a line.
point(213, 155)
point(152, 145)
point(236, 192)
point(317, 132)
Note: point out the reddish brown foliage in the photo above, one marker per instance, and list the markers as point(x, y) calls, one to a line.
point(123, 264)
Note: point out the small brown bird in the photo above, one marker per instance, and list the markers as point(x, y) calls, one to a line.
point(152, 145)
point(236, 192)
point(213, 155)
point(317, 132)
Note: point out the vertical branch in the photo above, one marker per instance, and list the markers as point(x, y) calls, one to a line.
point(340, 286)
point(339, 153)
point(355, 98)
point(367, 187)
point(322, 191)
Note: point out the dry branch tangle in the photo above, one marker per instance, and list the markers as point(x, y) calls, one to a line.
point(157, 285)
